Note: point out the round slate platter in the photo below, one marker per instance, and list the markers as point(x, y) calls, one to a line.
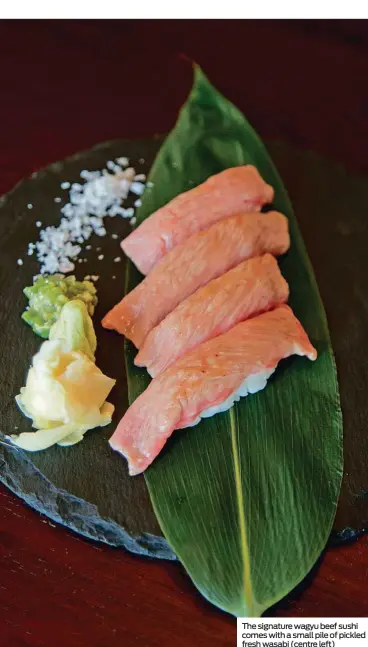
point(87, 487)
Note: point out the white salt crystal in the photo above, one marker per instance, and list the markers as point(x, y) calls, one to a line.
point(76, 198)
point(117, 259)
point(123, 161)
point(19, 261)
point(100, 257)
point(89, 175)
point(137, 188)
point(29, 206)
point(129, 173)
point(65, 185)
point(66, 266)
point(67, 210)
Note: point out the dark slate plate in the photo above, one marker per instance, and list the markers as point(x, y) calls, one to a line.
point(87, 487)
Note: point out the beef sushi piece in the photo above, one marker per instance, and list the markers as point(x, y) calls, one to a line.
point(232, 191)
point(208, 380)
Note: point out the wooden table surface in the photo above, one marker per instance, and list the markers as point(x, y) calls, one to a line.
point(65, 86)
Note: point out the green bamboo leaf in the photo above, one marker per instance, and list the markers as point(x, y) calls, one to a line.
point(247, 498)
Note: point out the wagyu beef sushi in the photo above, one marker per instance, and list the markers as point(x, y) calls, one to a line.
point(252, 287)
point(187, 267)
point(232, 191)
point(208, 380)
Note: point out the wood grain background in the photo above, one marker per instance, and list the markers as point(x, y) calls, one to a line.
point(65, 86)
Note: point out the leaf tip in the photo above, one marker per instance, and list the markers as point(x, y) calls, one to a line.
point(187, 59)
point(197, 70)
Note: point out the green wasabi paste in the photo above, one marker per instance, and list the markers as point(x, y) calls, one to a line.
point(49, 294)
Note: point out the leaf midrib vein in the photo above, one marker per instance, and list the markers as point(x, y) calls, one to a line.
point(244, 548)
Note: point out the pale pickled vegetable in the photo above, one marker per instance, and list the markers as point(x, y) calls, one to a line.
point(74, 326)
point(64, 435)
point(65, 392)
